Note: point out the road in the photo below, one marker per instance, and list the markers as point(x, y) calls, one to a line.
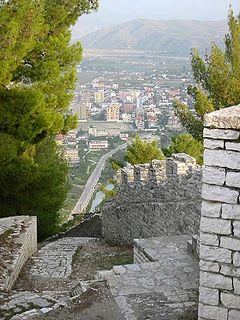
point(92, 182)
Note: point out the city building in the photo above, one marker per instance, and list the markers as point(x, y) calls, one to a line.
point(127, 117)
point(84, 111)
point(113, 112)
point(99, 96)
point(98, 145)
point(93, 131)
point(124, 136)
point(72, 156)
point(129, 108)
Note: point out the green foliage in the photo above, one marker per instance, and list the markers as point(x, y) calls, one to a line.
point(109, 194)
point(116, 164)
point(140, 152)
point(37, 74)
point(185, 143)
point(37, 187)
point(217, 80)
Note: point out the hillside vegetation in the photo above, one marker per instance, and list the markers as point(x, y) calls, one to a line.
point(172, 36)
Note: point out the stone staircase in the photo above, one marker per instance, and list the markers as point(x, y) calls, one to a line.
point(54, 260)
point(162, 284)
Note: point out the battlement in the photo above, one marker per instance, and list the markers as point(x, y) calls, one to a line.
point(158, 170)
point(157, 199)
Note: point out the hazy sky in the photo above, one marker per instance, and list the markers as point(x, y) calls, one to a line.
point(117, 11)
point(167, 9)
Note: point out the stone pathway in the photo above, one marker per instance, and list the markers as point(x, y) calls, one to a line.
point(20, 305)
point(161, 285)
point(165, 289)
point(55, 259)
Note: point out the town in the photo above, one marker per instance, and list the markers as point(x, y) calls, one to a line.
point(118, 95)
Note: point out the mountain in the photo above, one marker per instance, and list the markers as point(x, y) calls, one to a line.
point(171, 36)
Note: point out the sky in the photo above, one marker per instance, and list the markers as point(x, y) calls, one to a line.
point(117, 11)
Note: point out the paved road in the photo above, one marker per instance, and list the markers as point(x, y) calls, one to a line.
point(92, 182)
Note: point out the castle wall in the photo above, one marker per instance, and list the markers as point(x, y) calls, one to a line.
point(220, 221)
point(157, 199)
point(18, 238)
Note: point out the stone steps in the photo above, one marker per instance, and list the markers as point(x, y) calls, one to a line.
point(54, 260)
point(169, 283)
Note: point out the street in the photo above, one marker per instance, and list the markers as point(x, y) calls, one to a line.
point(92, 182)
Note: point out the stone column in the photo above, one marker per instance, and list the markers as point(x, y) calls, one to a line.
point(219, 291)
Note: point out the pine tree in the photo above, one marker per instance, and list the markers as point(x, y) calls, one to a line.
point(37, 74)
point(140, 152)
point(217, 82)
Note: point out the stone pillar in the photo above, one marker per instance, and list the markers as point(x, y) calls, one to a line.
point(219, 293)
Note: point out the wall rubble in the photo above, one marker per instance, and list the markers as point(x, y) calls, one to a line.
point(157, 199)
point(220, 219)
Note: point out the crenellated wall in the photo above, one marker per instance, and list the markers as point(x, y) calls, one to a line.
point(157, 199)
point(220, 221)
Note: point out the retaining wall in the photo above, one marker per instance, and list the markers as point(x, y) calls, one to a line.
point(18, 242)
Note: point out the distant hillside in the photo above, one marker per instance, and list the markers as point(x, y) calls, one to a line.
point(172, 36)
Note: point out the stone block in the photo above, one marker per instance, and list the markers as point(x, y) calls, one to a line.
point(217, 226)
point(213, 144)
point(231, 211)
point(212, 312)
point(222, 158)
point(211, 209)
point(230, 300)
point(215, 254)
point(236, 286)
point(213, 175)
point(221, 134)
point(221, 194)
point(209, 239)
point(232, 146)
point(209, 296)
point(227, 118)
point(215, 281)
point(230, 243)
point(233, 179)
point(236, 229)
point(209, 266)
point(236, 259)
point(234, 315)
point(230, 270)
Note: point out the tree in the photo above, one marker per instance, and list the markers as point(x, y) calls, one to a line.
point(217, 82)
point(37, 74)
point(143, 152)
point(185, 143)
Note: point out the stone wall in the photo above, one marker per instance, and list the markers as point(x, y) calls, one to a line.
point(220, 221)
point(91, 227)
point(18, 241)
point(157, 199)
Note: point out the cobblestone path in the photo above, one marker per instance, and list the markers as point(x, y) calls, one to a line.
point(55, 259)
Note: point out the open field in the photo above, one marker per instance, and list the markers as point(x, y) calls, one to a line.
point(103, 125)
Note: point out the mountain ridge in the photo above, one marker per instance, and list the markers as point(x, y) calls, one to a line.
point(171, 36)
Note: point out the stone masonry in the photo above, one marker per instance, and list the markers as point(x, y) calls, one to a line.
point(220, 221)
point(157, 199)
point(54, 260)
point(18, 238)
